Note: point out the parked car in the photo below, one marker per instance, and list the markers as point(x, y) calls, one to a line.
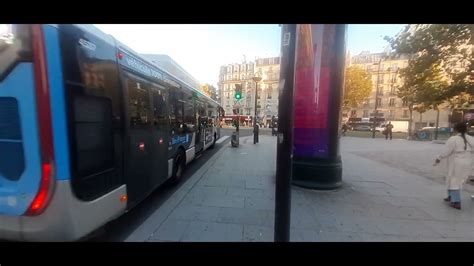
point(428, 133)
point(362, 128)
point(380, 128)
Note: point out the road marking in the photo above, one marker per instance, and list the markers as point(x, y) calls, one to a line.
point(222, 139)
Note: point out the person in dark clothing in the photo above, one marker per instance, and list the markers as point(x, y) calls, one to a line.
point(388, 130)
point(274, 126)
point(344, 129)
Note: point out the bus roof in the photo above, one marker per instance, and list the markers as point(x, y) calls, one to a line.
point(116, 43)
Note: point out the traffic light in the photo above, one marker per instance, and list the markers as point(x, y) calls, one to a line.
point(238, 92)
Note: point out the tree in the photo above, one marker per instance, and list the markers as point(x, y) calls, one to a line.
point(432, 91)
point(357, 86)
point(444, 48)
point(440, 67)
point(210, 91)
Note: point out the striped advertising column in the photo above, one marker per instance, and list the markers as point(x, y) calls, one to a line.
point(319, 78)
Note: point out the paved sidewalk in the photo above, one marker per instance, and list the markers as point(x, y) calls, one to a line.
point(231, 198)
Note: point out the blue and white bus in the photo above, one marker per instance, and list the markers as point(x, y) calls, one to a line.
point(88, 128)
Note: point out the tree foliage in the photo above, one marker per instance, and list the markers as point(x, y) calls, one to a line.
point(441, 65)
point(357, 87)
point(210, 91)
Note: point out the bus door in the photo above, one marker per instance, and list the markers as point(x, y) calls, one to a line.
point(201, 114)
point(94, 111)
point(160, 135)
point(139, 140)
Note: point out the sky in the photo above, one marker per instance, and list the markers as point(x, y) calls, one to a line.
point(202, 49)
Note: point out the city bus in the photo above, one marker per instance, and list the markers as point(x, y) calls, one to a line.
point(88, 129)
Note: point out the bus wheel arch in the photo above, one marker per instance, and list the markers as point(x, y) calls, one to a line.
point(179, 163)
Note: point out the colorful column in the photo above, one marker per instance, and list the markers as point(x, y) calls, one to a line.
point(319, 78)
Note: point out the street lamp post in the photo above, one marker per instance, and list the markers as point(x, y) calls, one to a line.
point(376, 99)
point(255, 127)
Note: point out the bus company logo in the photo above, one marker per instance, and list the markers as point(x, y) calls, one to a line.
point(179, 139)
point(87, 45)
point(139, 66)
point(133, 63)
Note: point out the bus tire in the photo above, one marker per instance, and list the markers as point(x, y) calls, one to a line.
point(214, 142)
point(179, 164)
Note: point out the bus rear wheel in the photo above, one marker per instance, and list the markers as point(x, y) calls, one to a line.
point(178, 167)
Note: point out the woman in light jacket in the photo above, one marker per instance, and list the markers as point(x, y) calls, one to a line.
point(458, 152)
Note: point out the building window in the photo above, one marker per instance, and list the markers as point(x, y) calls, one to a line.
point(366, 113)
point(353, 113)
point(379, 102)
point(392, 102)
point(393, 91)
point(391, 113)
point(381, 79)
point(380, 91)
point(405, 113)
point(405, 103)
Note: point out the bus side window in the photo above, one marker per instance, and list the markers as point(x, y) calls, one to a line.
point(139, 103)
point(189, 114)
point(176, 111)
point(159, 108)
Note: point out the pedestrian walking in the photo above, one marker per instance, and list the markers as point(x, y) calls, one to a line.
point(388, 130)
point(458, 152)
point(344, 129)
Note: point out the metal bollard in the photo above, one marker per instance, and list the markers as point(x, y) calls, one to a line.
point(235, 139)
point(255, 134)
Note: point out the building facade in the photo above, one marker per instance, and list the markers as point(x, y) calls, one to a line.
point(267, 93)
point(229, 76)
point(267, 99)
point(386, 80)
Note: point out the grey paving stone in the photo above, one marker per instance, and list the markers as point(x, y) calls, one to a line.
point(195, 213)
point(259, 203)
point(253, 193)
point(223, 201)
point(327, 236)
point(459, 230)
point(206, 190)
point(171, 230)
point(246, 216)
point(400, 212)
point(213, 232)
point(255, 233)
point(413, 228)
point(340, 223)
